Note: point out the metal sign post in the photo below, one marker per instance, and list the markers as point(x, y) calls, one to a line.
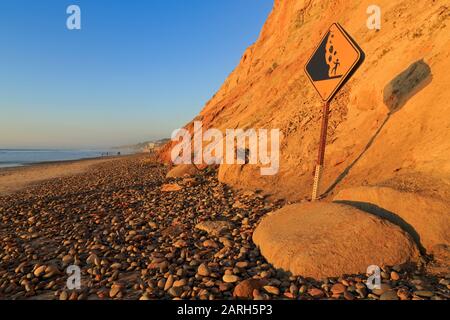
point(321, 156)
point(334, 60)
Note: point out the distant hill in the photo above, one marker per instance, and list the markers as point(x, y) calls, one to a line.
point(145, 146)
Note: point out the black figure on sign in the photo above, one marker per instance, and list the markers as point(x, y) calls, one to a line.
point(336, 66)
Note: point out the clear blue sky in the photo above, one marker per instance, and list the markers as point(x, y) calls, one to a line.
point(134, 72)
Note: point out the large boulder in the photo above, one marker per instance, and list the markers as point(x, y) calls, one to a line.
point(182, 170)
point(321, 240)
point(428, 218)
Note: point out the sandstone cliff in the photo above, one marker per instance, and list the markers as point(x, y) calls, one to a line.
point(268, 89)
point(388, 145)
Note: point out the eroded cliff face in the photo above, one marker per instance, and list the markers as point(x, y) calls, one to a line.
point(408, 149)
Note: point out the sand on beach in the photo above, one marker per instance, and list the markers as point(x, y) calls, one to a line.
point(15, 179)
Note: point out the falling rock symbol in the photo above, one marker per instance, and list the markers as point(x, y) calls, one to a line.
point(332, 57)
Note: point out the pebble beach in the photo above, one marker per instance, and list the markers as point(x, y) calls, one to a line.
point(136, 234)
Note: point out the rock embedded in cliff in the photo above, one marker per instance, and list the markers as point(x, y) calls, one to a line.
point(405, 85)
point(322, 240)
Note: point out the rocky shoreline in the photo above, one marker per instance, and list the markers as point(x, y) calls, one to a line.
point(136, 234)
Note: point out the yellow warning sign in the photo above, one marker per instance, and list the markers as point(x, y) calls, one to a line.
point(333, 61)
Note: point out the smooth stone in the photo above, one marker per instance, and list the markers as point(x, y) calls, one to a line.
point(424, 293)
point(293, 289)
point(51, 271)
point(244, 290)
point(316, 293)
point(175, 291)
point(395, 276)
point(171, 187)
point(73, 296)
point(210, 244)
point(338, 288)
point(116, 265)
point(214, 228)
point(92, 259)
point(39, 271)
point(362, 292)
point(348, 295)
point(203, 270)
point(403, 294)
point(180, 244)
point(242, 264)
point(115, 289)
point(67, 259)
point(289, 295)
point(272, 290)
point(169, 283)
point(389, 295)
point(161, 283)
point(226, 242)
point(64, 295)
point(180, 283)
point(144, 297)
point(384, 287)
point(230, 278)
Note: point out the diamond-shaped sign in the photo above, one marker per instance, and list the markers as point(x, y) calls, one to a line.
point(333, 62)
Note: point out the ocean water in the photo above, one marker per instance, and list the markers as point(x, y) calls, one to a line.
point(23, 157)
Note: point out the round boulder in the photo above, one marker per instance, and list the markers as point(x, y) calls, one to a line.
point(320, 240)
point(182, 170)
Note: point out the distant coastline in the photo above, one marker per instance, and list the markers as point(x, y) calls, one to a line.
point(12, 158)
point(13, 179)
point(20, 157)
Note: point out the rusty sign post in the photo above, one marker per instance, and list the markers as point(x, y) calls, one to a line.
point(335, 59)
point(322, 145)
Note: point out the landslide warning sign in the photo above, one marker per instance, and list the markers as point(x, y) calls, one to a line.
point(333, 61)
